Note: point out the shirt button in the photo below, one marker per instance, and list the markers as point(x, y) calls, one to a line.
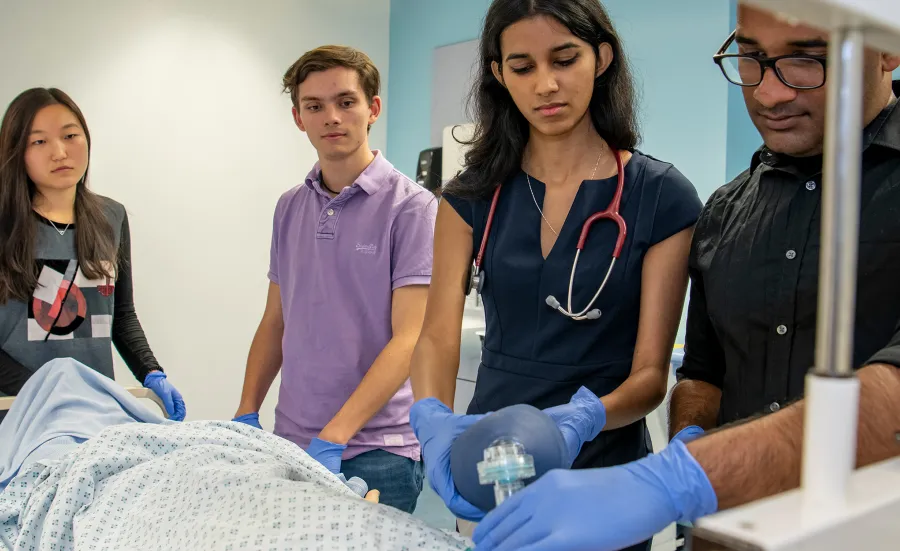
point(791, 254)
point(774, 406)
point(330, 212)
point(810, 185)
point(781, 329)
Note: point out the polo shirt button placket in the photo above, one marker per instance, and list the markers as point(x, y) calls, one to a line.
point(328, 218)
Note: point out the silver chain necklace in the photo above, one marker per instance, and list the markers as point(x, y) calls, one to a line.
point(528, 179)
point(59, 231)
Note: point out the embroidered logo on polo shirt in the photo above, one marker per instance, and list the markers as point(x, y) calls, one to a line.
point(366, 249)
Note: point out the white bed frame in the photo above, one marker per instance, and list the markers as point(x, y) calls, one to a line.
point(6, 402)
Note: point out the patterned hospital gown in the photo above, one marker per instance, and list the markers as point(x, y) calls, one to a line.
point(199, 485)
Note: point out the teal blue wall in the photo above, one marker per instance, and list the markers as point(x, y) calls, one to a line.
point(684, 98)
point(417, 28)
point(743, 139)
point(690, 115)
point(670, 44)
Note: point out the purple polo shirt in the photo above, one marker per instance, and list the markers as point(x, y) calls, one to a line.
point(337, 261)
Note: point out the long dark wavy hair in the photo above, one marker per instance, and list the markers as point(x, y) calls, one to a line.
point(94, 237)
point(501, 131)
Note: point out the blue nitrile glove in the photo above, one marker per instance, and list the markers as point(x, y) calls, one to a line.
point(601, 509)
point(580, 421)
point(326, 453)
point(171, 398)
point(689, 434)
point(436, 427)
point(251, 419)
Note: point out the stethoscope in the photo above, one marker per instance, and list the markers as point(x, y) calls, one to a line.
point(476, 277)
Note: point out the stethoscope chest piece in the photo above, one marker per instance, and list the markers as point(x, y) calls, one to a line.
point(476, 280)
point(479, 282)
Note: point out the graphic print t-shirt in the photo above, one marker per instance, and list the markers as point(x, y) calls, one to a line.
point(61, 302)
point(69, 315)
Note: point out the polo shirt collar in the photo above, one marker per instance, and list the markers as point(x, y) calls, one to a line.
point(372, 179)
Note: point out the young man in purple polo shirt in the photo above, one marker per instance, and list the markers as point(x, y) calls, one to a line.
point(350, 268)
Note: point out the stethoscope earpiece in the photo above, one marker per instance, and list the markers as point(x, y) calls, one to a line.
point(553, 303)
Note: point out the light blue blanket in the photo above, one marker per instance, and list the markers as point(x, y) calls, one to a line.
point(63, 404)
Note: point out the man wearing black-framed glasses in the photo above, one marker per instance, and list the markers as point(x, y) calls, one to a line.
point(751, 319)
point(754, 261)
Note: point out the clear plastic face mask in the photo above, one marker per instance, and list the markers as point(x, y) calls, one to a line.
point(506, 466)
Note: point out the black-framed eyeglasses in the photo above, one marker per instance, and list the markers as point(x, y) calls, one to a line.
point(798, 71)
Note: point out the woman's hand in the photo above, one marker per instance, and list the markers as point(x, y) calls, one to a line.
point(171, 398)
point(579, 421)
point(436, 427)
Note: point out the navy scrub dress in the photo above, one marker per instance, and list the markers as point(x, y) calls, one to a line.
point(532, 353)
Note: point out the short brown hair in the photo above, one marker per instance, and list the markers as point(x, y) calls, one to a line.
point(329, 57)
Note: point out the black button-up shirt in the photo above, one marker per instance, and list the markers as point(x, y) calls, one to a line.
point(754, 269)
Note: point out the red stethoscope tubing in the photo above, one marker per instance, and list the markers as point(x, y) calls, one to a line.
point(611, 213)
point(487, 227)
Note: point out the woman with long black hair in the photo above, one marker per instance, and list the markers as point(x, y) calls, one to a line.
point(585, 337)
point(65, 253)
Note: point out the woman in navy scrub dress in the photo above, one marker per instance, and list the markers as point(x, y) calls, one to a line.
point(554, 103)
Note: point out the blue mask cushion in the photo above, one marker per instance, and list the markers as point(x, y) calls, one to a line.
point(526, 424)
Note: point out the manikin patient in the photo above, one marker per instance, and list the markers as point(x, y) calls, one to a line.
point(84, 462)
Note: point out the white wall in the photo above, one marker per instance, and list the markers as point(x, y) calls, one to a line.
point(191, 132)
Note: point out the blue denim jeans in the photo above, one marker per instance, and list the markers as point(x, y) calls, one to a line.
point(399, 479)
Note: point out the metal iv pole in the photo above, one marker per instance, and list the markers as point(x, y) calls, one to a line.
point(832, 389)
